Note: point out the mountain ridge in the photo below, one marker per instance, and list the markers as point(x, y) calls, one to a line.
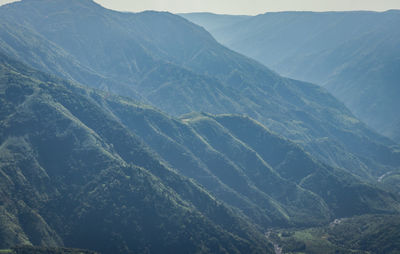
point(73, 184)
point(79, 157)
point(352, 54)
point(222, 80)
point(90, 169)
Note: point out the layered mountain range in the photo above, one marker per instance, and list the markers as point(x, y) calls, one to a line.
point(74, 175)
point(85, 169)
point(355, 55)
point(140, 133)
point(166, 61)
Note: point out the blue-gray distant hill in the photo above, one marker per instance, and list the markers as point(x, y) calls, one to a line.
point(355, 55)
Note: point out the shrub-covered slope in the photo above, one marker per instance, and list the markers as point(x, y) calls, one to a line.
point(73, 175)
point(84, 169)
point(249, 160)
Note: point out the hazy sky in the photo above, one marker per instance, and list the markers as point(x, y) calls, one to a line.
point(245, 6)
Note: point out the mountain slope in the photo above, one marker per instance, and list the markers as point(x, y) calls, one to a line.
point(84, 169)
point(73, 175)
point(270, 179)
point(178, 67)
point(353, 54)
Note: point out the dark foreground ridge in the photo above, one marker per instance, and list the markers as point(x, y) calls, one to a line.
point(74, 175)
point(45, 250)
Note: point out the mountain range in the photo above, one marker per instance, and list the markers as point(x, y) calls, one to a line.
point(74, 175)
point(165, 61)
point(84, 169)
point(355, 55)
point(140, 133)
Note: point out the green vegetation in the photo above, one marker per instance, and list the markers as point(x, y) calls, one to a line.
point(74, 175)
point(270, 179)
point(47, 250)
point(130, 171)
point(363, 234)
point(86, 168)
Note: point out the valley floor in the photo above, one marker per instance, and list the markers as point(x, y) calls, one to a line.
point(362, 234)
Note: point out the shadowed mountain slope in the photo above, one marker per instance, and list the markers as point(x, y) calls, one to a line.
point(241, 153)
point(73, 175)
